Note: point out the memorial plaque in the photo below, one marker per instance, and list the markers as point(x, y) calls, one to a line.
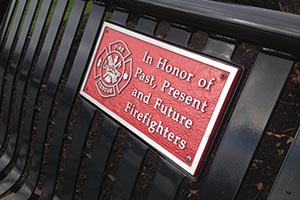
point(169, 97)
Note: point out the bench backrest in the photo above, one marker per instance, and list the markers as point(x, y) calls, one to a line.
point(55, 143)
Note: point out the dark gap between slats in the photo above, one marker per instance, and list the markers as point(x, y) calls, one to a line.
point(132, 21)
point(86, 155)
point(113, 164)
point(162, 29)
point(198, 40)
point(76, 142)
point(129, 168)
point(146, 176)
point(68, 139)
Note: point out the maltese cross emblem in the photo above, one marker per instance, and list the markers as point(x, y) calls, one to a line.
point(113, 69)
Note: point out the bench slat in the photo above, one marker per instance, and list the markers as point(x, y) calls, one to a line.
point(178, 36)
point(219, 49)
point(69, 94)
point(145, 25)
point(33, 89)
point(8, 18)
point(14, 174)
point(96, 167)
point(50, 94)
point(129, 168)
point(166, 183)
point(119, 17)
point(5, 52)
point(8, 85)
point(79, 134)
point(245, 128)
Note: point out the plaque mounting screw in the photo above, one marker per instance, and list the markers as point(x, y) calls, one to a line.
point(189, 159)
point(223, 76)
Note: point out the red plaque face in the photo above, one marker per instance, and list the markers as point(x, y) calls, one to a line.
point(171, 98)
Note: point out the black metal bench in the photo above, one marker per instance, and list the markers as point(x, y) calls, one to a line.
point(56, 144)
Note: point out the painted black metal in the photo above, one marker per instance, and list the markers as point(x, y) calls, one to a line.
point(287, 182)
point(166, 183)
point(5, 23)
point(8, 86)
point(5, 52)
point(219, 49)
point(129, 168)
point(259, 26)
point(22, 79)
point(245, 128)
point(119, 17)
point(178, 36)
point(106, 135)
point(68, 98)
point(77, 142)
point(33, 89)
point(146, 26)
point(3, 8)
point(17, 170)
point(49, 97)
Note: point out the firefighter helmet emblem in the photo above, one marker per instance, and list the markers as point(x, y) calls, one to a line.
point(113, 69)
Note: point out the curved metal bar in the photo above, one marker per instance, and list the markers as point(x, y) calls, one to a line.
point(6, 51)
point(50, 94)
point(8, 85)
point(8, 17)
point(258, 25)
point(17, 170)
point(33, 86)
